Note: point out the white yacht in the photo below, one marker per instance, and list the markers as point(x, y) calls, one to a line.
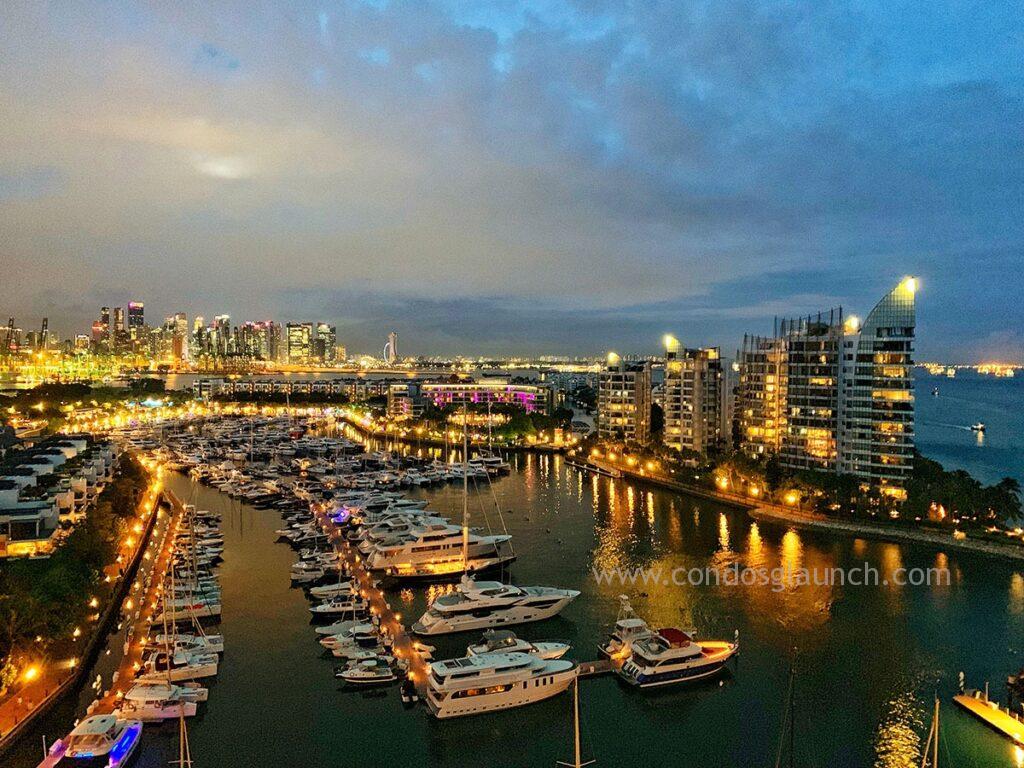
point(156, 702)
point(204, 643)
point(162, 667)
point(629, 628)
point(673, 656)
point(102, 740)
point(439, 551)
point(494, 681)
point(483, 604)
point(505, 641)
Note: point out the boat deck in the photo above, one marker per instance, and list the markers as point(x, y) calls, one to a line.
point(992, 715)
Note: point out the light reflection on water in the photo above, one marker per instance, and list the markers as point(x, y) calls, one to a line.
point(897, 742)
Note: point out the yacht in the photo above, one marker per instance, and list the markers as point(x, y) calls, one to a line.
point(340, 589)
point(156, 702)
point(629, 628)
point(483, 604)
point(672, 656)
point(505, 641)
point(162, 667)
point(438, 552)
point(205, 643)
point(102, 740)
point(371, 671)
point(493, 681)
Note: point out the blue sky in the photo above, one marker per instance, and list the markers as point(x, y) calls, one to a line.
point(502, 177)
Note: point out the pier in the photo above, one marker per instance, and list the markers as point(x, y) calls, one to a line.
point(992, 715)
point(403, 645)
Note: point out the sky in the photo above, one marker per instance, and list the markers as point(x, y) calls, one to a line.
point(517, 177)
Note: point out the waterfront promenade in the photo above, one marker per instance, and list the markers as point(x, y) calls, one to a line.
point(56, 678)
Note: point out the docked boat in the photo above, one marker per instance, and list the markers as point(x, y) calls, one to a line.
point(493, 681)
point(438, 551)
point(339, 605)
point(102, 740)
point(174, 667)
point(672, 656)
point(505, 641)
point(476, 605)
point(618, 644)
point(327, 591)
point(373, 671)
point(156, 702)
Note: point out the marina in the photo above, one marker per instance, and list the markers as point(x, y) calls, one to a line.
point(563, 522)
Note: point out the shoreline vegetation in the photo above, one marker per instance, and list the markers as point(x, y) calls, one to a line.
point(46, 603)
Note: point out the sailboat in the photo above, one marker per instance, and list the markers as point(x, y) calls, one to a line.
point(577, 760)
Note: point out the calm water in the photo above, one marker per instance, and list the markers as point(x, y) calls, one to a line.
point(869, 660)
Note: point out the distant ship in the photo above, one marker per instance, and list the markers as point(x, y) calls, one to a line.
point(935, 391)
point(979, 427)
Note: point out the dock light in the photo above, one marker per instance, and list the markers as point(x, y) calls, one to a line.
point(94, 603)
point(31, 673)
point(722, 482)
point(77, 632)
point(792, 498)
point(754, 491)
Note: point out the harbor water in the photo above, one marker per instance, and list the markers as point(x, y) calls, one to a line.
point(868, 660)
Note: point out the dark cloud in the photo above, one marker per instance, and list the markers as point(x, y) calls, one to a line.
point(540, 175)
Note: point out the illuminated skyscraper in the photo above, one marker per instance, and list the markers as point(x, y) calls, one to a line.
point(829, 393)
point(300, 343)
point(693, 397)
point(136, 316)
point(624, 400)
point(325, 344)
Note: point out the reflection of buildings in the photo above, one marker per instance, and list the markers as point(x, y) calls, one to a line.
point(410, 399)
point(624, 401)
point(692, 397)
point(829, 393)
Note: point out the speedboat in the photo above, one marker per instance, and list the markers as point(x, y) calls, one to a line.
point(505, 641)
point(979, 427)
point(672, 656)
point(373, 671)
point(483, 604)
point(102, 740)
point(629, 628)
point(493, 681)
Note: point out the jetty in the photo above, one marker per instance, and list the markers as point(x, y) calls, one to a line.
point(991, 714)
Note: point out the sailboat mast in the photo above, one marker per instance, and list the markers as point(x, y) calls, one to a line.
point(465, 487)
point(577, 758)
point(935, 747)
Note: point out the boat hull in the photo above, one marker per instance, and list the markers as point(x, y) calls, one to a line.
point(522, 694)
point(507, 618)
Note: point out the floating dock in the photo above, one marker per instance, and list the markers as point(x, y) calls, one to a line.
point(992, 715)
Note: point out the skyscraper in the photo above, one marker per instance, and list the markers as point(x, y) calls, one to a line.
point(136, 316)
point(693, 397)
point(300, 343)
point(831, 394)
point(325, 344)
point(624, 400)
point(104, 325)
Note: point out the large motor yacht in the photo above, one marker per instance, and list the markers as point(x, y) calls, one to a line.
point(673, 656)
point(493, 681)
point(439, 551)
point(478, 605)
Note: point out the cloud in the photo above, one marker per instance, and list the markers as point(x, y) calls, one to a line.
point(617, 169)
